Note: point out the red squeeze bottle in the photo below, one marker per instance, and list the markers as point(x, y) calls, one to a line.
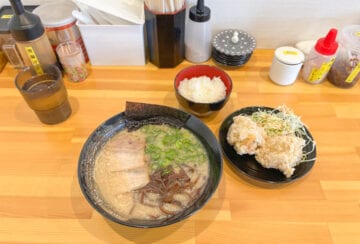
point(320, 59)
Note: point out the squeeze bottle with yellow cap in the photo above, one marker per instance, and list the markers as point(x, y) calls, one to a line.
point(30, 37)
point(320, 59)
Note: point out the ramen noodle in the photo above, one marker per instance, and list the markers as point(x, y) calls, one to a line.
point(154, 172)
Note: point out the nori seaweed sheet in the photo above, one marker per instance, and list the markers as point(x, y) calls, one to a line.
point(139, 114)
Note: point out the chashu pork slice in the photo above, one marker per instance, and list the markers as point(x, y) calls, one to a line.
point(127, 161)
point(129, 180)
point(126, 152)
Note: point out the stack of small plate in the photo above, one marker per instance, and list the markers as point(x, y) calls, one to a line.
point(232, 48)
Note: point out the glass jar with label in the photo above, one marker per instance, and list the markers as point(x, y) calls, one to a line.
point(345, 72)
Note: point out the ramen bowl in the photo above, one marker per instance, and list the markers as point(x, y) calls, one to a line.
point(132, 119)
point(197, 107)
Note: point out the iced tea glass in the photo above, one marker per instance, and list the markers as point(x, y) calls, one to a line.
point(44, 91)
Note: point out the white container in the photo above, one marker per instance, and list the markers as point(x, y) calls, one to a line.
point(286, 65)
point(198, 34)
point(114, 44)
point(118, 39)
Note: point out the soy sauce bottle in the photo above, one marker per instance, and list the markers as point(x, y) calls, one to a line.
point(31, 40)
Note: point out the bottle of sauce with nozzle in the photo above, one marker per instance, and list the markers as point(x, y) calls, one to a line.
point(30, 37)
point(320, 59)
point(198, 34)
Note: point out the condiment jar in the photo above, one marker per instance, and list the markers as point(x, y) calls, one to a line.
point(320, 59)
point(286, 65)
point(72, 60)
point(60, 25)
point(345, 71)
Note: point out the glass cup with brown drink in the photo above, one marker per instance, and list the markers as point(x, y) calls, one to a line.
point(44, 91)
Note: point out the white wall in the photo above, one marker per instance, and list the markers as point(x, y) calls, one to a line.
point(282, 22)
point(276, 22)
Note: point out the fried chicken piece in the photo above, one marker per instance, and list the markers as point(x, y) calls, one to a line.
point(281, 152)
point(245, 135)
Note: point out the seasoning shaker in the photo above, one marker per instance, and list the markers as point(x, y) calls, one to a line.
point(345, 72)
point(198, 33)
point(72, 60)
point(286, 65)
point(320, 59)
point(30, 37)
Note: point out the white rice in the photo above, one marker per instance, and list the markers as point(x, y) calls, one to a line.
point(203, 89)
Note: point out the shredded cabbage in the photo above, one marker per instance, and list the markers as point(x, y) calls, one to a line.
point(283, 121)
point(280, 121)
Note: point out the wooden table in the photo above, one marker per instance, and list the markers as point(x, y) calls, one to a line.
point(41, 202)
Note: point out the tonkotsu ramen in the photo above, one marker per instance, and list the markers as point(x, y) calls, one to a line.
point(154, 172)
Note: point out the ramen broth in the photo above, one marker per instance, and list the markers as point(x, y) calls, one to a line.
point(154, 172)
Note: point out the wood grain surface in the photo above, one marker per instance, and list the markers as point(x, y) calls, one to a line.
point(41, 202)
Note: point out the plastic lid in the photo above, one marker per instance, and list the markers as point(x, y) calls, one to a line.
point(199, 13)
point(24, 26)
point(327, 45)
point(350, 37)
point(234, 43)
point(56, 14)
point(289, 55)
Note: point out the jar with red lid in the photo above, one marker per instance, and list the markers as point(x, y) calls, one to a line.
point(60, 24)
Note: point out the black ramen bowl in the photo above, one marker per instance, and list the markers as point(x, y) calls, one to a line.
point(142, 114)
point(196, 108)
point(249, 169)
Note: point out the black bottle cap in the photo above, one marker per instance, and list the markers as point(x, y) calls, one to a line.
point(24, 26)
point(199, 13)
